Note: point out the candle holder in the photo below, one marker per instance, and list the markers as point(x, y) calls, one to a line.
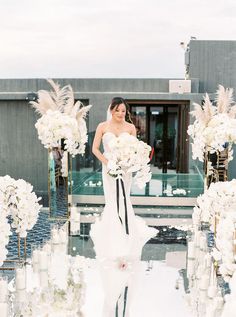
point(74, 225)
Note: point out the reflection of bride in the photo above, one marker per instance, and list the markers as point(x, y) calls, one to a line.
point(119, 235)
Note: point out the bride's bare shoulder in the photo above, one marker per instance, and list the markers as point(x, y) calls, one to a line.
point(130, 126)
point(102, 126)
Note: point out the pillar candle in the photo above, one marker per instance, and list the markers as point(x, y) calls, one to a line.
point(55, 236)
point(62, 236)
point(43, 260)
point(202, 242)
point(43, 279)
point(190, 268)
point(3, 309)
point(191, 249)
point(21, 295)
point(204, 282)
point(35, 260)
point(20, 279)
point(3, 290)
point(212, 291)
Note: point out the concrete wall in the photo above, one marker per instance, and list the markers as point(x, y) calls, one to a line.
point(21, 153)
point(213, 63)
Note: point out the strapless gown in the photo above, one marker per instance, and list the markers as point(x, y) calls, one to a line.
point(109, 234)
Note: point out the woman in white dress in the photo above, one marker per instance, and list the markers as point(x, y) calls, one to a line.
point(120, 235)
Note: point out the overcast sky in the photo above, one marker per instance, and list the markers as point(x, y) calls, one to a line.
point(106, 38)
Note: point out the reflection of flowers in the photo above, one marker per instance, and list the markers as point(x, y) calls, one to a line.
point(214, 125)
point(61, 119)
point(129, 155)
point(53, 300)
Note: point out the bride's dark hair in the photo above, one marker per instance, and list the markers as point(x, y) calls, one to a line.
point(116, 101)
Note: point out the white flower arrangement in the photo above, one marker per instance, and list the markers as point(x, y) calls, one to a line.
point(129, 155)
point(61, 119)
point(54, 300)
point(218, 200)
point(18, 201)
point(225, 245)
point(217, 207)
point(214, 125)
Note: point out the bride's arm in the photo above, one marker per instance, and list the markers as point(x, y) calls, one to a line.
point(96, 145)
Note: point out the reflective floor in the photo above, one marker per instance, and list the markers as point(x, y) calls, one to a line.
point(146, 289)
point(155, 289)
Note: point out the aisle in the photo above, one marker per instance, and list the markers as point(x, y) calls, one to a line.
point(155, 294)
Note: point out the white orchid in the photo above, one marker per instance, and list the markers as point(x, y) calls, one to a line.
point(129, 155)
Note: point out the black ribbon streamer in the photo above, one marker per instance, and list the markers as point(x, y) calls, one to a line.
point(125, 302)
point(125, 203)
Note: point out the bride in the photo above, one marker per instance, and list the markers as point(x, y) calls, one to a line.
point(119, 234)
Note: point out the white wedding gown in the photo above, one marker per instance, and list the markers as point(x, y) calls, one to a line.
point(114, 245)
point(109, 234)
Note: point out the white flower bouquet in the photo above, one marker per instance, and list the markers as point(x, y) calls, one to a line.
point(129, 155)
point(20, 203)
point(61, 119)
point(218, 200)
point(214, 125)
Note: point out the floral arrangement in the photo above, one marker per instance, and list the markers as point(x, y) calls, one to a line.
point(19, 202)
point(224, 252)
point(214, 125)
point(54, 300)
point(127, 155)
point(217, 207)
point(217, 201)
point(61, 119)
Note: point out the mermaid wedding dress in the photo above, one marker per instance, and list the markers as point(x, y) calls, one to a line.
point(118, 241)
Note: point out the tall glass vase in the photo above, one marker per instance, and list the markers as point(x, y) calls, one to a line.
point(58, 183)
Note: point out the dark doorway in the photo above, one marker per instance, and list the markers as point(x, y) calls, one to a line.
point(164, 127)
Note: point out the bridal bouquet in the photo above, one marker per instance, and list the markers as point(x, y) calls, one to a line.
point(214, 125)
point(61, 119)
point(127, 155)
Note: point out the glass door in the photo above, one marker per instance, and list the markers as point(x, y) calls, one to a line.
point(163, 136)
